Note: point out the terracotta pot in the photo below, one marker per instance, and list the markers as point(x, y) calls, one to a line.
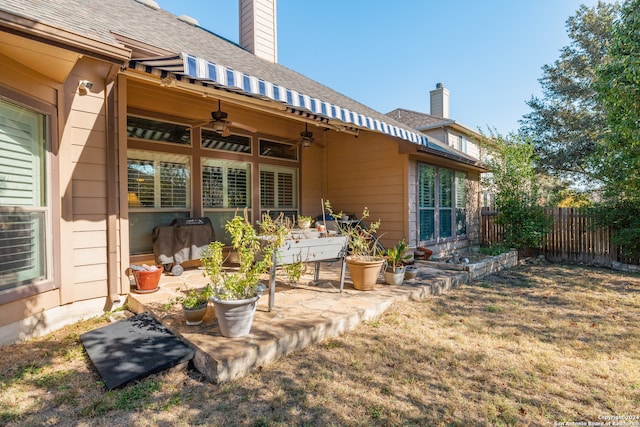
point(147, 281)
point(427, 252)
point(364, 272)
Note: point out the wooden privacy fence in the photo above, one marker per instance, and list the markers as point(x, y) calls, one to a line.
point(572, 238)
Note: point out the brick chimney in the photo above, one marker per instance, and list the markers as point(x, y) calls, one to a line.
point(440, 101)
point(258, 28)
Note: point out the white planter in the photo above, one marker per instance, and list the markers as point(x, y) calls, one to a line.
point(235, 317)
point(392, 277)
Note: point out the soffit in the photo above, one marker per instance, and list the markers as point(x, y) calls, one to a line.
point(45, 59)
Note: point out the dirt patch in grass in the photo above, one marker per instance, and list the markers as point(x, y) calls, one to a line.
point(531, 346)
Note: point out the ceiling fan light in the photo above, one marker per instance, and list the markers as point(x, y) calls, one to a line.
point(306, 143)
point(225, 132)
point(219, 126)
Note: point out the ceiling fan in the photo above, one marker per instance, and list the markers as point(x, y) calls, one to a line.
point(221, 124)
point(306, 139)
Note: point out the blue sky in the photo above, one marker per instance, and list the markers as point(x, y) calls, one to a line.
point(389, 54)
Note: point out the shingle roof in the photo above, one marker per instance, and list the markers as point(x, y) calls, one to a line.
point(415, 119)
point(100, 20)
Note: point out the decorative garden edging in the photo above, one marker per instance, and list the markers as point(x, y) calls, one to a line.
point(482, 268)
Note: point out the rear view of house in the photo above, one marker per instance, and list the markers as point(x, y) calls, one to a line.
point(115, 120)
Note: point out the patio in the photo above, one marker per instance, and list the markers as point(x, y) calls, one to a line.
point(303, 315)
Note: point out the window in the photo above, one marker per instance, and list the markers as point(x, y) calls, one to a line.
point(278, 190)
point(427, 202)
point(461, 203)
point(226, 188)
point(445, 186)
point(278, 150)
point(462, 143)
point(157, 131)
point(225, 184)
point(232, 143)
point(158, 191)
point(442, 198)
point(24, 213)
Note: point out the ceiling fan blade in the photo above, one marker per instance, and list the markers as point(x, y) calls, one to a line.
point(242, 126)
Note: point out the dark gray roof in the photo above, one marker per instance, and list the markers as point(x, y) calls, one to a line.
point(415, 119)
point(422, 121)
point(100, 20)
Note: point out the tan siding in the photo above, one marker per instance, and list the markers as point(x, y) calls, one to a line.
point(311, 181)
point(90, 223)
point(87, 256)
point(369, 174)
point(87, 135)
point(90, 273)
point(90, 239)
point(90, 290)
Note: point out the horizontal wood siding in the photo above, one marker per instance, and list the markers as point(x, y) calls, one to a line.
point(86, 133)
point(372, 175)
point(573, 238)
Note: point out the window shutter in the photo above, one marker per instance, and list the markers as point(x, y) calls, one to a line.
point(20, 163)
point(286, 190)
point(140, 182)
point(237, 188)
point(212, 186)
point(267, 189)
point(22, 196)
point(173, 185)
point(426, 186)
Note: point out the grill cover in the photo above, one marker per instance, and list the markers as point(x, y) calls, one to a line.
point(185, 239)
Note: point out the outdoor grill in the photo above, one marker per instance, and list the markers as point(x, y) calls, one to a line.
point(183, 240)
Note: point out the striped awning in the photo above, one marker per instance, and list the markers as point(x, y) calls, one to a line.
point(200, 71)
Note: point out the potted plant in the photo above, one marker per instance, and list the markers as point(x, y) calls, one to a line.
point(195, 304)
point(304, 222)
point(395, 259)
point(235, 293)
point(365, 258)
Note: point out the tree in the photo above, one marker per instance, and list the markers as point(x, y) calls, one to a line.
point(568, 120)
point(513, 180)
point(617, 158)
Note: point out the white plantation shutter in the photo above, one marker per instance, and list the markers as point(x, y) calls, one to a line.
point(237, 187)
point(286, 190)
point(278, 188)
point(225, 184)
point(174, 180)
point(23, 210)
point(141, 177)
point(158, 181)
point(267, 189)
point(20, 161)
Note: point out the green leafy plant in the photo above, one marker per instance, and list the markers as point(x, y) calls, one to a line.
point(395, 257)
point(255, 253)
point(194, 298)
point(363, 243)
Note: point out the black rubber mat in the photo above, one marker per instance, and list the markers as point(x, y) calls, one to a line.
point(132, 349)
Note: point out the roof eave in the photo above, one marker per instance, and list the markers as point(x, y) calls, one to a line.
point(55, 36)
